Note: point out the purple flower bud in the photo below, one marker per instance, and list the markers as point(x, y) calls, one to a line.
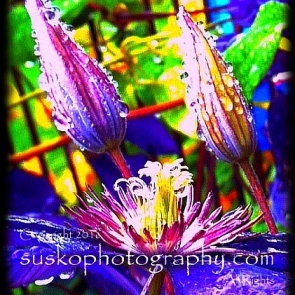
point(225, 121)
point(85, 101)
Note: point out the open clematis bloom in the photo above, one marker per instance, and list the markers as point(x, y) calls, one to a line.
point(224, 119)
point(84, 97)
point(160, 217)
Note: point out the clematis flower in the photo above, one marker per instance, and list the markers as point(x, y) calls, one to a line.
point(224, 119)
point(85, 101)
point(160, 216)
point(155, 217)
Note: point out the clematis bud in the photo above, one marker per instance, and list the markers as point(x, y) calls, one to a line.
point(84, 98)
point(224, 119)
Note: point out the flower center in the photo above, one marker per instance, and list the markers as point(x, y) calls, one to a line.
point(162, 209)
point(158, 203)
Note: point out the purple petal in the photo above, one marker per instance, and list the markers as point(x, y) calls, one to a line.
point(225, 277)
point(150, 134)
point(29, 193)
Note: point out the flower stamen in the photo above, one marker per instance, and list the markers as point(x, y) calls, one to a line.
point(160, 216)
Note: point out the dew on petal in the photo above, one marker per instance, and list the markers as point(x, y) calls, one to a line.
point(44, 282)
point(67, 275)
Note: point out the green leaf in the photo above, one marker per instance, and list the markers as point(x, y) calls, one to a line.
point(252, 55)
point(126, 89)
point(170, 87)
point(20, 43)
point(224, 177)
point(73, 12)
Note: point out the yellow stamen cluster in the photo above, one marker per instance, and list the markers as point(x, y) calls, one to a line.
point(168, 184)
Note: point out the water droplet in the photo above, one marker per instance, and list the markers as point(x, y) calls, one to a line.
point(67, 275)
point(229, 67)
point(89, 199)
point(47, 3)
point(239, 110)
point(69, 28)
point(208, 148)
point(253, 69)
point(42, 81)
point(49, 14)
point(157, 60)
point(228, 106)
point(184, 75)
point(228, 80)
point(52, 13)
point(216, 130)
point(250, 118)
point(36, 50)
point(221, 87)
point(205, 116)
point(44, 282)
point(236, 99)
point(60, 125)
point(65, 38)
point(123, 109)
point(83, 57)
point(201, 135)
point(227, 103)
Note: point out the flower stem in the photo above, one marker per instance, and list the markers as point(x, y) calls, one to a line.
point(120, 162)
point(156, 284)
point(258, 194)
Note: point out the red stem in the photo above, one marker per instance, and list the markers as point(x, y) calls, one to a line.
point(258, 194)
point(120, 162)
point(153, 109)
point(200, 172)
point(64, 139)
